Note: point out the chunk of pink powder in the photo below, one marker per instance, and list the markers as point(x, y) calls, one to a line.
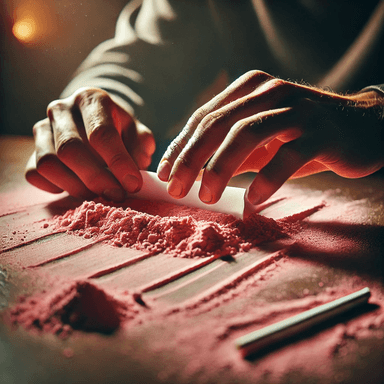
point(78, 305)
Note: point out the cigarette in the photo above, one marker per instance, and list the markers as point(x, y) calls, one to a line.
point(257, 340)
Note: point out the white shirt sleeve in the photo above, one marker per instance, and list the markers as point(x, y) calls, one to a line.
point(164, 53)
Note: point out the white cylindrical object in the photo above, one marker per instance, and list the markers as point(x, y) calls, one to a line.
point(257, 340)
point(231, 201)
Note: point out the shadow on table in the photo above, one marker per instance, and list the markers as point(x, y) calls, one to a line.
point(353, 247)
point(60, 206)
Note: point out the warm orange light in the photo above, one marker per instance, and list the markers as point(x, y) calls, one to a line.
point(33, 21)
point(25, 30)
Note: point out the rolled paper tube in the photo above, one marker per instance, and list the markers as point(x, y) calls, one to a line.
point(262, 338)
point(231, 201)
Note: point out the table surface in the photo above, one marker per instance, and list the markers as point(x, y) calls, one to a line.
point(339, 250)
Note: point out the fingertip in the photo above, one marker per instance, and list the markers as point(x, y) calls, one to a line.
point(287, 160)
point(213, 185)
point(164, 170)
point(175, 188)
point(260, 190)
point(252, 196)
point(34, 178)
point(114, 194)
point(205, 194)
point(132, 183)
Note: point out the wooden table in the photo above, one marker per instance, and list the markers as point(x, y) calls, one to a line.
point(338, 250)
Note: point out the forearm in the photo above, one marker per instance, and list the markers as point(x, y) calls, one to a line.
point(157, 63)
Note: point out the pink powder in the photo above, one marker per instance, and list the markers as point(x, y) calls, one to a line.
point(205, 333)
point(78, 305)
point(183, 232)
point(314, 355)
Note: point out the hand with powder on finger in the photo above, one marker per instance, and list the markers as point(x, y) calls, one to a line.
point(89, 145)
point(279, 129)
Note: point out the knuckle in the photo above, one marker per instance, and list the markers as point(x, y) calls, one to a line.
point(217, 170)
point(103, 98)
point(40, 126)
point(256, 76)
point(248, 132)
point(214, 170)
point(179, 143)
point(100, 133)
point(88, 95)
point(44, 161)
point(173, 150)
point(187, 159)
point(56, 106)
point(241, 128)
point(241, 135)
point(197, 116)
point(277, 83)
point(252, 100)
point(184, 137)
point(66, 147)
point(84, 93)
point(212, 119)
point(116, 159)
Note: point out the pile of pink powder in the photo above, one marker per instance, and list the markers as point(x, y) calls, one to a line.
point(77, 305)
point(184, 233)
point(188, 232)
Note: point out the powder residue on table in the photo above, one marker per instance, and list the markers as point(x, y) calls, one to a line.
point(313, 354)
point(76, 305)
point(177, 230)
point(205, 334)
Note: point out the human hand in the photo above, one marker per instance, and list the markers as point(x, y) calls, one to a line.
point(82, 136)
point(277, 128)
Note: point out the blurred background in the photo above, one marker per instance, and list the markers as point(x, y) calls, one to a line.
point(42, 43)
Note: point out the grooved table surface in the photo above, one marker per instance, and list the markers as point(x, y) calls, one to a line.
point(195, 308)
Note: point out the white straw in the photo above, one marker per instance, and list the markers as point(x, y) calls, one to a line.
point(231, 201)
point(257, 340)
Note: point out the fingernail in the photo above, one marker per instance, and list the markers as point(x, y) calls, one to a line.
point(175, 188)
point(114, 194)
point(253, 197)
point(164, 170)
point(205, 194)
point(131, 183)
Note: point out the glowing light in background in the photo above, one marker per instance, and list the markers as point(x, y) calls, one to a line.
point(33, 21)
point(25, 30)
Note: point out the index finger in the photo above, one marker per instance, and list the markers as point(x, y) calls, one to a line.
point(239, 88)
point(98, 112)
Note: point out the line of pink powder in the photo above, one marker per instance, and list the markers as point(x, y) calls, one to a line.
point(71, 306)
point(184, 233)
